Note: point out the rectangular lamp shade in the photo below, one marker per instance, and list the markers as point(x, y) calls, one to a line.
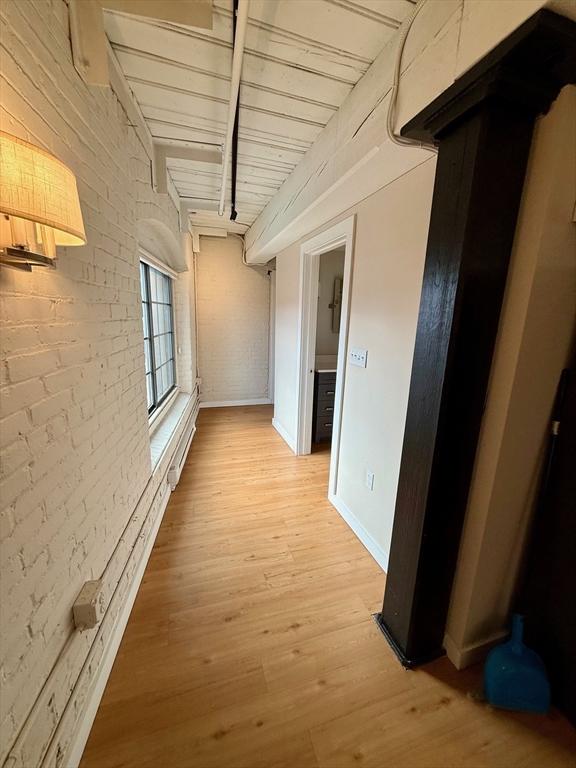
point(37, 187)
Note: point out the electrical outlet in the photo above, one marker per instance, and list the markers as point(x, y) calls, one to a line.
point(369, 481)
point(359, 357)
point(88, 607)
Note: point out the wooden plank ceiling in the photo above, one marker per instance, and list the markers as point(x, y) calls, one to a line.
point(302, 58)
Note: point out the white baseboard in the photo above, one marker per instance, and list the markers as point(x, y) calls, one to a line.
point(99, 683)
point(284, 435)
point(230, 403)
point(473, 653)
point(379, 554)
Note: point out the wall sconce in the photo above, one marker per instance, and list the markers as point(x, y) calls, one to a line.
point(39, 206)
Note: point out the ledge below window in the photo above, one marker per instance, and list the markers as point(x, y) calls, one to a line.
point(155, 418)
point(165, 427)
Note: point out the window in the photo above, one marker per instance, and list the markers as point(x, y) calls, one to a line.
point(157, 319)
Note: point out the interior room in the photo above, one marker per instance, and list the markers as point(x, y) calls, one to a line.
point(287, 383)
point(328, 316)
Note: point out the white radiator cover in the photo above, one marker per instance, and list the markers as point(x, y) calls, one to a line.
point(181, 451)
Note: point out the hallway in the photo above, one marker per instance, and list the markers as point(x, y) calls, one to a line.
point(251, 641)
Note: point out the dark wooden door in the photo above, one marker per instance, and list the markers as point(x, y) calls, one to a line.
point(549, 594)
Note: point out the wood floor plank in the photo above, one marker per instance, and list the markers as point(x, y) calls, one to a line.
point(251, 642)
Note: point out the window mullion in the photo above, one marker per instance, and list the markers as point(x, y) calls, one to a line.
point(172, 330)
point(152, 336)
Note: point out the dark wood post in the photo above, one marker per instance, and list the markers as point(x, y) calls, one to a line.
point(483, 126)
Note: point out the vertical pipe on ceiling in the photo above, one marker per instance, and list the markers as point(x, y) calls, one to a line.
point(233, 211)
point(239, 39)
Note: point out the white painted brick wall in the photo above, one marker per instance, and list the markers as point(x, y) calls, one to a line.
point(74, 430)
point(183, 298)
point(233, 323)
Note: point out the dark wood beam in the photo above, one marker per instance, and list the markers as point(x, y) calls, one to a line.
point(483, 126)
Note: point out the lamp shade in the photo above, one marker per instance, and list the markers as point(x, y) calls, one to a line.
point(36, 186)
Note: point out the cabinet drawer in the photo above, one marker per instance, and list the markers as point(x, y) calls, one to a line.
point(322, 431)
point(326, 391)
point(325, 410)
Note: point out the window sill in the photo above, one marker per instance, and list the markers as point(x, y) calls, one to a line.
point(166, 424)
point(155, 419)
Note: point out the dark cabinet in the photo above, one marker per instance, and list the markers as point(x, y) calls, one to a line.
point(323, 414)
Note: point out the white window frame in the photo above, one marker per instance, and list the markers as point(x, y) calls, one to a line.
point(155, 416)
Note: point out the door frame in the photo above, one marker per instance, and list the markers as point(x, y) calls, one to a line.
point(272, 336)
point(340, 234)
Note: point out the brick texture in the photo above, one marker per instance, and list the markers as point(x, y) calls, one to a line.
point(233, 323)
point(76, 480)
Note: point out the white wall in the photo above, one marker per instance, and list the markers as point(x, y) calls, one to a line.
point(389, 251)
point(185, 320)
point(233, 323)
point(331, 267)
point(79, 496)
point(535, 342)
point(286, 345)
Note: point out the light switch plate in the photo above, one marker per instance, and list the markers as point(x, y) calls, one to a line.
point(359, 357)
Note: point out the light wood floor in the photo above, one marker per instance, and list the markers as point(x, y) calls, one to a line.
point(251, 642)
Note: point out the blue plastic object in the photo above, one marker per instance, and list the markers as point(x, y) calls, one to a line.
point(515, 676)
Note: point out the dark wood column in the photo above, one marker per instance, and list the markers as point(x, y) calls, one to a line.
point(483, 126)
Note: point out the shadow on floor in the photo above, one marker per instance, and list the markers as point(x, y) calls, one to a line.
point(469, 682)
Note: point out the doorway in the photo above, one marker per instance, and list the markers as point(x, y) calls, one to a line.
point(328, 316)
point(319, 351)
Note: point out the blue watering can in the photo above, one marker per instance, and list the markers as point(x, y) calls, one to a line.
point(515, 676)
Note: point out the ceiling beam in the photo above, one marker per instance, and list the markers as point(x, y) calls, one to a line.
point(120, 86)
point(191, 13)
point(164, 151)
point(89, 49)
point(89, 42)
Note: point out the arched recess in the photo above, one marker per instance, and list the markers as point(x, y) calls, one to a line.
point(156, 238)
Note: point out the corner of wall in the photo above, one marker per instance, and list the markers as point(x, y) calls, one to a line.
point(285, 435)
point(380, 555)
